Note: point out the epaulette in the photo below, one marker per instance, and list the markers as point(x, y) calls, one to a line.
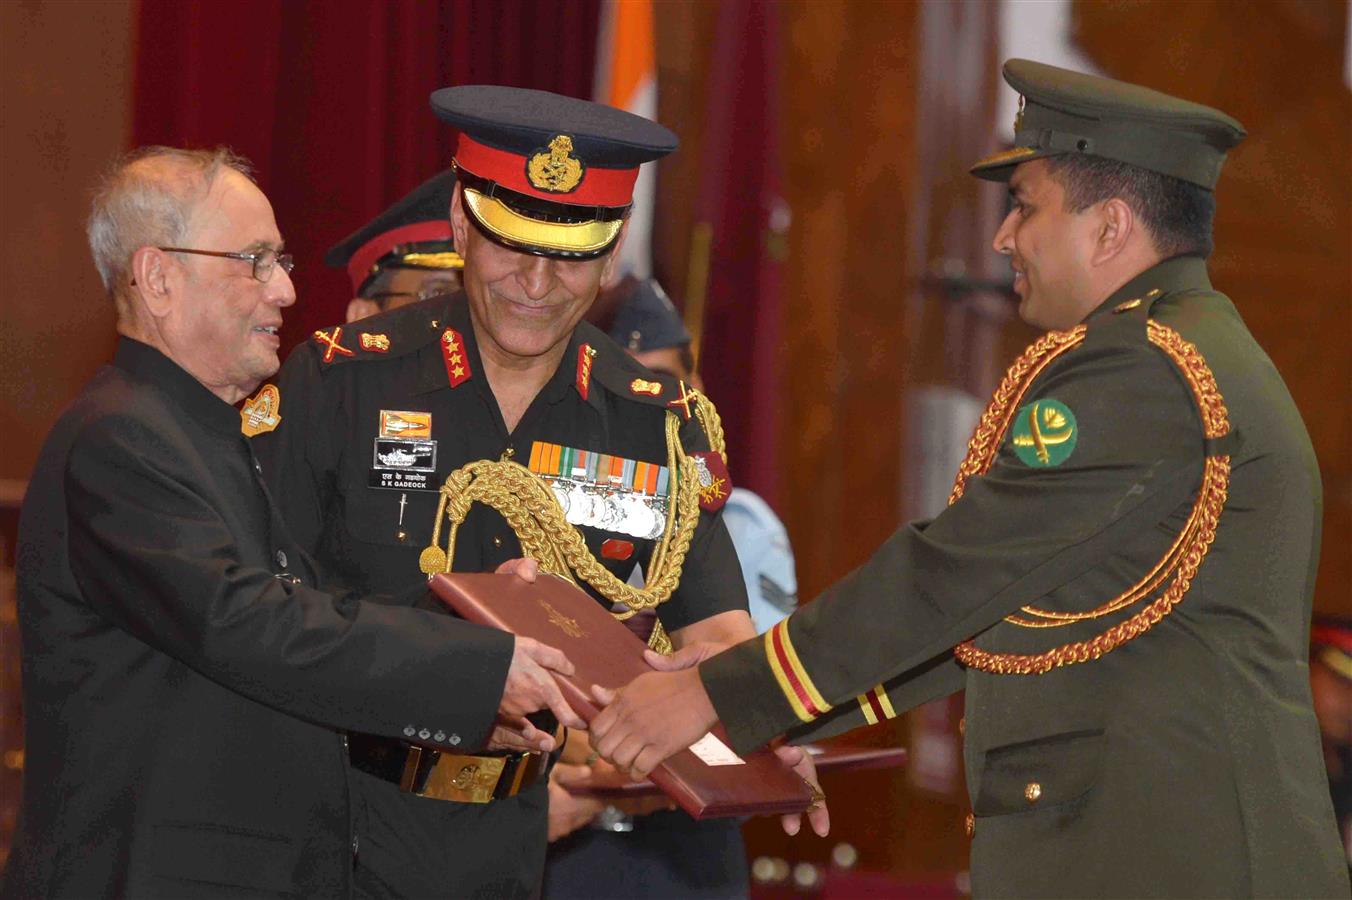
point(619, 373)
point(383, 336)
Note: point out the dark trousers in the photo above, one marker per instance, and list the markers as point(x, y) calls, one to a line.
point(415, 847)
point(668, 854)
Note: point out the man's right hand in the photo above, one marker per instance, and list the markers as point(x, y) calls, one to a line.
point(531, 687)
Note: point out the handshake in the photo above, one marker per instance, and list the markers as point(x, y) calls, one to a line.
point(638, 725)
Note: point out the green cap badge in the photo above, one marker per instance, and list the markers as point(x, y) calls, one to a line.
point(1045, 433)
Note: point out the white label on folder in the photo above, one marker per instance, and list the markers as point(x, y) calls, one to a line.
point(714, 752)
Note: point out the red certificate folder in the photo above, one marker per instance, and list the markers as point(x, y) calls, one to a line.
point(612, 785)
point(708, 780)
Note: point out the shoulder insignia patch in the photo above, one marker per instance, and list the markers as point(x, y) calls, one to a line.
point(378, 343)
point(650, 388)
point(262, 412)
point(714, 483)
point(329, 341)
point(453, 354)
point(585, 354)
point(1045, 433)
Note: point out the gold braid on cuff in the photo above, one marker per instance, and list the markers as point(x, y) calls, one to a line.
point(1180, 563)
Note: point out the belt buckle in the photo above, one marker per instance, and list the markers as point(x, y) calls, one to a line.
point(467, 779)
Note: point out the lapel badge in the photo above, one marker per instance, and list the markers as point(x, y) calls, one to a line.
point(683, 402)
point(405, 424)
point(453, 354)
point(1045, 433)
point(585, 355)
point(651, 388)
point(379, 343)
point(330, 343)
point(262, 412)
point(714, 483)
point(556, 169)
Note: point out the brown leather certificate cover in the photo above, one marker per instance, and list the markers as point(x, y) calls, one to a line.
point(612, 785)
point(708, 780)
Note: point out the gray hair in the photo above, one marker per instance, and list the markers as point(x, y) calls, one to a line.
point(146, 198)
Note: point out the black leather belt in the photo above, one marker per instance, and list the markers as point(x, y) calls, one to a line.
point(458, 777)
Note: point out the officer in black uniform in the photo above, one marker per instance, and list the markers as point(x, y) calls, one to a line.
point(381, 412)
point(403, 255)
point(1122, 580)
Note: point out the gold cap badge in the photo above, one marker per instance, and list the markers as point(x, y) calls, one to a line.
point(556, 170)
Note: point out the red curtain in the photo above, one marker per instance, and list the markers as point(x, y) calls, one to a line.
point(739, 198)
point(328, 98)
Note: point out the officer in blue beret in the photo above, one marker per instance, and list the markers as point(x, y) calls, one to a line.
point(1122, 580)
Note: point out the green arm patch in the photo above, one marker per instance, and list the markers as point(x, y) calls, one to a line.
point(1044, 433)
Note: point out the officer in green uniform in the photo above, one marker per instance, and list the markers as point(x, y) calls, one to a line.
point(403, 255)
point(505, 377)
point(1122, 582)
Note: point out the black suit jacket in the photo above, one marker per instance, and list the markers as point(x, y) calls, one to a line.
point(184, 688)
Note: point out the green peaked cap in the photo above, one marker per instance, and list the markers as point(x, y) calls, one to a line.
point(1062, 111)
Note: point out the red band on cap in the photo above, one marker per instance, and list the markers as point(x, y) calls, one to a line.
point(360, 263)
point(599, 187)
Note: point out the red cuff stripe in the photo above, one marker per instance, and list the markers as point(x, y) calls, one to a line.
point(875, 705)
point(787, 665)
point(599, 187)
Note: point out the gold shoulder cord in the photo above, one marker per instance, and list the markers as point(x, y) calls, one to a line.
point(1182, 560)
point(528, 505)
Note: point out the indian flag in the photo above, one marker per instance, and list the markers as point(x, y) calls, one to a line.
point(626, 77)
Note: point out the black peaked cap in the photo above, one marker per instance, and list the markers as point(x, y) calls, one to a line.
point(520, 120)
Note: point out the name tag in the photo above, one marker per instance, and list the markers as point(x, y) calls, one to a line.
point(404, 464)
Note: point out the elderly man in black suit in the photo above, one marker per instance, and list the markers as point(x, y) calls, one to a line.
point(185, 685)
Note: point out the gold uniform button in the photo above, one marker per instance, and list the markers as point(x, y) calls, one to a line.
point(1032, 791)
point(970, 824)
point(962, 726)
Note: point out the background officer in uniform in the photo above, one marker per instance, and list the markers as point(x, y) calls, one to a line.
point(639, 316)
point(1132, 540)
point(403, 255)
point(185, 683)
point(385, 409)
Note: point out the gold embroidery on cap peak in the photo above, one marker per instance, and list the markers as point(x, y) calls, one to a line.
point(556, 170)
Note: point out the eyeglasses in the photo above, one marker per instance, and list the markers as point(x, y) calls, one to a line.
point(264, 261)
